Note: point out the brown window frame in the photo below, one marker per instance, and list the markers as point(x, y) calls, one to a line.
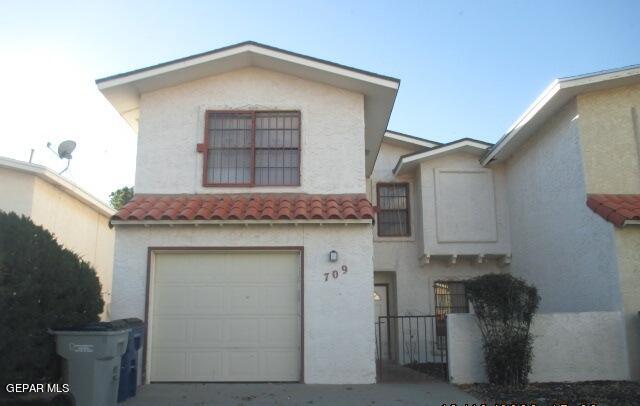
point(408, 209)
point(205, 149)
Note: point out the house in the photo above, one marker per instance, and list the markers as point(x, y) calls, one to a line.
point(249, 247)
point(280, 232)
point(79, 221)
point(579, 143)
point(442, 218)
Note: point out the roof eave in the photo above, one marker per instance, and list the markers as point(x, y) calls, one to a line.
point(556, 95)
point(409, 140)
point(123, 90)
point(56, 180)
point(466, 145)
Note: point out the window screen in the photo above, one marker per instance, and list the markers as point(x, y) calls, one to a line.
point(253, 148)
point(451, 297)
point(393, 210)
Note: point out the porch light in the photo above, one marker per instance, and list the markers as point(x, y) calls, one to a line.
point(333, 256)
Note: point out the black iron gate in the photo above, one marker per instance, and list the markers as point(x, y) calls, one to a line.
point(414, 342)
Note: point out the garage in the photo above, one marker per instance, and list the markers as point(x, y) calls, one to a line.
point(230, 316)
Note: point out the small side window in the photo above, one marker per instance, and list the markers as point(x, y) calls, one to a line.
point(393, 210)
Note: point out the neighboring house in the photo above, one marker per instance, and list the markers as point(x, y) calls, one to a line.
point(279, 230)
point(79, 221)
point(579, 142)
point(442, 218)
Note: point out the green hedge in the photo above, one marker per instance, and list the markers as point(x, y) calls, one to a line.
point(42, 286)
point(505, 307)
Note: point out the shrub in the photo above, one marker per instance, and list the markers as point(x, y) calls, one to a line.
point(505, 307)
point(42, 286)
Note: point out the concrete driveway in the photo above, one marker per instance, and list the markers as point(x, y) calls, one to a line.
point(424, 393)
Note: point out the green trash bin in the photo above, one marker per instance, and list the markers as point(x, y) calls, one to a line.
point(92, 357)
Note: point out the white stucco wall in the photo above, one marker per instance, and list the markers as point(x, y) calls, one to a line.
point(396, 260)
point(79, 228)
point(558, 243)
point(339, 344)
point(172, 124)
point(628, 250)
point(16, 189)
point(464, 207)
point(567, 347)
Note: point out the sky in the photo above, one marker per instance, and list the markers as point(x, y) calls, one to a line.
point(467, 68)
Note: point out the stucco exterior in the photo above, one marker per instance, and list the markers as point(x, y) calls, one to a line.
point(466, 218)
point(463, 207)
point(397, 259)
point(628, 251)
point(558, 243)
point(339, 344)
point(610, 139)
point(172, 124)
point(567, 347)
point(76, 225)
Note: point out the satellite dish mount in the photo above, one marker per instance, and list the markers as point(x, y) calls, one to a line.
point(64, 152)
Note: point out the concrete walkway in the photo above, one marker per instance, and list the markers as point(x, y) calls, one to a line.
point(425, 394)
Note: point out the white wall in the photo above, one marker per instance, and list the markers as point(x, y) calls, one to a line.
point(338, 314)
point(172, 124)
point(412, 284)
point(567, 347)
point(559, 244)
point(16, 189)
point(464, 207)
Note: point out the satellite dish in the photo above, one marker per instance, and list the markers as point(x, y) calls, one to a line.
point(64, 151)
point(66, 148)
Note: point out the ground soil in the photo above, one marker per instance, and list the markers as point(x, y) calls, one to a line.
point(600, 393)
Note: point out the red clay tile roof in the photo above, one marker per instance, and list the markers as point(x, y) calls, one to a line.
point(615, 208)
point(246, 207)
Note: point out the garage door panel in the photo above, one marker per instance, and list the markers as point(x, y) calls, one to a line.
point(207, 332)
point(281, 364)
point(206, 366)
point(243, 332)
point(281, 299)
point(169, 366)
point(170, 332)
point(171, 300)
point(245, 299)
point(226, 317)
point(243, 365)
point(208, 300)
point(277, 332)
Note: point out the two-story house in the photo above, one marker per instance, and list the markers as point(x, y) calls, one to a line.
point(579, 142)
point(249, 246)
point(280, 232)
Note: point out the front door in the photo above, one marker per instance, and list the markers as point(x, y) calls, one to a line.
point(381, 303)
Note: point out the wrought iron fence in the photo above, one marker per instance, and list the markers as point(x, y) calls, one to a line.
point(413, 342)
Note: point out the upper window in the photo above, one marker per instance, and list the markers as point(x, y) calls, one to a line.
point(252, 148)
point(393, 210)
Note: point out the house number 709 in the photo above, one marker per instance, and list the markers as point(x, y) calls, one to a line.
point(335, 274)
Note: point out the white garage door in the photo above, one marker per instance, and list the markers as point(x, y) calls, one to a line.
point(225, 317)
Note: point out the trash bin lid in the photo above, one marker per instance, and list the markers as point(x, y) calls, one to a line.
point(98, 326)
point(130, 322)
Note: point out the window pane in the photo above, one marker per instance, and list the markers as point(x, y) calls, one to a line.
point(277, 153)
point(393, 215)
point(231, 148)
